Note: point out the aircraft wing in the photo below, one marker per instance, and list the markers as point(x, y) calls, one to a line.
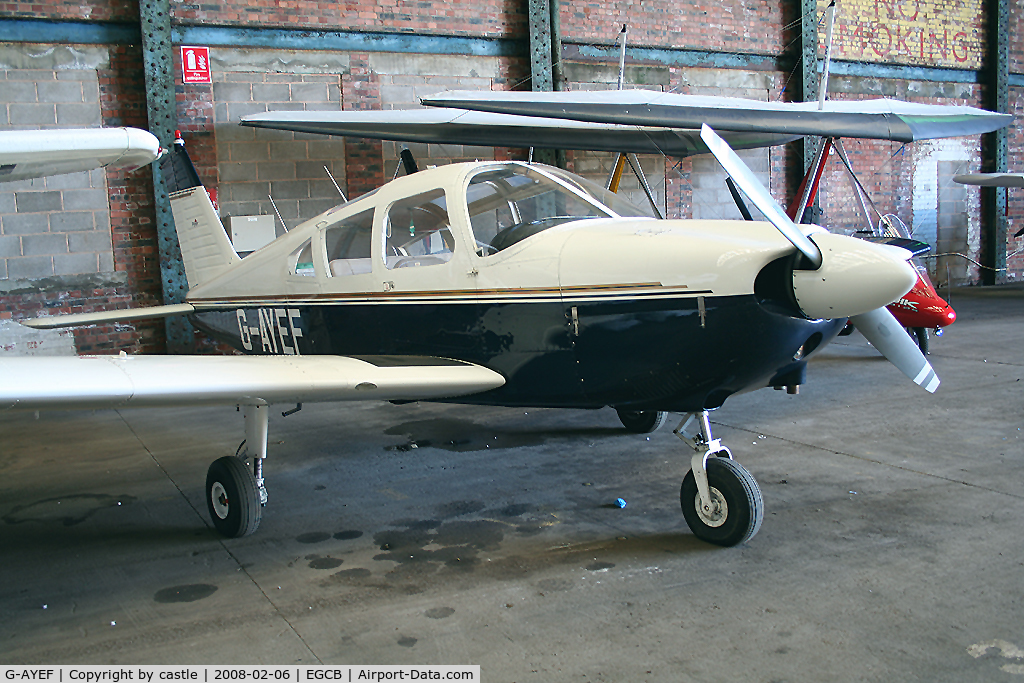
point(991, 179)
point(35, 153)
point(461, 127)
point(881, 119)
point(59, 383)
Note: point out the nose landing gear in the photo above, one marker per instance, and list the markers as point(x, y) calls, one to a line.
point(721, 500)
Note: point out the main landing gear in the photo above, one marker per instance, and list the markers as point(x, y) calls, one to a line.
point(235, 494)
point(721, 501)
point(641, 421)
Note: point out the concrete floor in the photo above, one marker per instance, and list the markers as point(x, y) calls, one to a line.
point(891, 547)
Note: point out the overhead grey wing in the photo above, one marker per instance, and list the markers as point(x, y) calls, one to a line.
point(461, 127)
point(881, 119)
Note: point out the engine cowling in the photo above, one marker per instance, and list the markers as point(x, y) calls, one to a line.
point(855, 277)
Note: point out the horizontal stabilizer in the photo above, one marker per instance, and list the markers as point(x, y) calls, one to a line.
point(880, 119)
point(460, 127)
point(101, 317)
point(63, 383)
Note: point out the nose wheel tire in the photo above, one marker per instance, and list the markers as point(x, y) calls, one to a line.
point(641, 421)
point(737, 507)
point(232, 497)
point(920, 335)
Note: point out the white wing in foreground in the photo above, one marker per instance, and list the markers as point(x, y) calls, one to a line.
point(35, 153)
point(37, 383)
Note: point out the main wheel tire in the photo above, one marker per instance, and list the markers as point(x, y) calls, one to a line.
point(641, 421)
point(920, 335)
point(232, 497)
point(739, 507)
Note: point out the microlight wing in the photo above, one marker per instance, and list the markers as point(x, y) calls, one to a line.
point(880, 119)
point(461, 127)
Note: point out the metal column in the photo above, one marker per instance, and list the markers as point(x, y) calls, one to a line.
point(543, 61)
point(158, 62)
point(996, 145)
point(809, 69)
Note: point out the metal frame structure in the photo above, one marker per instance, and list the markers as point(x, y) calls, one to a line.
point(158, 62)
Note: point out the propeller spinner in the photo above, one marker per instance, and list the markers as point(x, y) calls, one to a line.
point(845, 277)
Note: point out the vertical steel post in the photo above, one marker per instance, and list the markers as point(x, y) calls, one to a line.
point(809, 69)
point(996, 145)
point(541, 62)
point(158, 63)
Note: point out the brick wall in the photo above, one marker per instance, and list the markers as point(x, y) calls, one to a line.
point(77, 242)
point(748, 26)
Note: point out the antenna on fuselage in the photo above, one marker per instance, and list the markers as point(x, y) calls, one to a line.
point(336, 187)
point(408, 163)
point(274, 204)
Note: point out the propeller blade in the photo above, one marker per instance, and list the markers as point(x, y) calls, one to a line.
point(756, 192)
point(883, 331)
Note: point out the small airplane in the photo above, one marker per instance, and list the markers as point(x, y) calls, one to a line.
point(498, 283)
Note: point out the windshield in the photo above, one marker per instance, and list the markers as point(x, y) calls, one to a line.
point(509, 204)
point(615, 202)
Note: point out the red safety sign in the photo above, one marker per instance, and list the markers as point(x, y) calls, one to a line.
point(195, 65)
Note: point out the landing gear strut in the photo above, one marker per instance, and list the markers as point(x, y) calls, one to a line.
point(235, 495)
point(721, 501)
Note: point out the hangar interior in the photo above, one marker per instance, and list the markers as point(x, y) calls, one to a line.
point(104, 239)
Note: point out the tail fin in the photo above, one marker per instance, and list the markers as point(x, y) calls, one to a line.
point(205, 249)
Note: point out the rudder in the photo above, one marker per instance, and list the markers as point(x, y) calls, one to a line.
point(205, 249)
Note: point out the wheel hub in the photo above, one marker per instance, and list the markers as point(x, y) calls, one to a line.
point(219, 498)
point(715, 515)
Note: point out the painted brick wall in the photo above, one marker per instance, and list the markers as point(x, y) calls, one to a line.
point(923, 32)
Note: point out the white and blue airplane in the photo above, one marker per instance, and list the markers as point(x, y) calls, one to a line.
point(499, 283)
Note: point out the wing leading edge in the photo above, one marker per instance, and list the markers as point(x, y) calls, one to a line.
point(90, 382)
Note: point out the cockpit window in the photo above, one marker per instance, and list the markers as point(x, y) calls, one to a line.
point(348, 245)
point(509, 204)
point(416, 231)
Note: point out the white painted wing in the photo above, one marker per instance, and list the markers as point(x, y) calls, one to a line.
point(59, 383)
point(35, 153)
point(991, 179)
point(882, 119)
